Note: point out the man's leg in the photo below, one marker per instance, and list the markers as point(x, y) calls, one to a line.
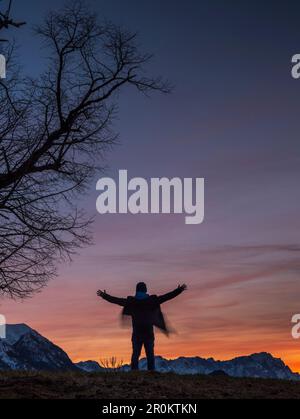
point(149, 348)
point(137, 345)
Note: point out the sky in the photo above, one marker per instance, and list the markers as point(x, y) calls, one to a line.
point(232, 119)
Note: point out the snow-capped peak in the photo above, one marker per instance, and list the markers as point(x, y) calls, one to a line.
point(24, 348)
point(14, 332)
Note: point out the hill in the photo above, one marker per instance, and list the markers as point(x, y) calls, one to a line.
point(142, 385)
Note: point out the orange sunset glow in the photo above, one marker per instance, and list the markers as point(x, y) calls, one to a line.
point(231, 119)
point(220, 316)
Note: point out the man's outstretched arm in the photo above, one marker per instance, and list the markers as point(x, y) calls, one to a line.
point(111, 299)
point(170, 295)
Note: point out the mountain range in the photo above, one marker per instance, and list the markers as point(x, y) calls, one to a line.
point(26, 349)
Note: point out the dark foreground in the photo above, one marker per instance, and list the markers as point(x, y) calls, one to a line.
point(139, 386)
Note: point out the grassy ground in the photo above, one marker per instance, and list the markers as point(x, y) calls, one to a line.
point(139, 386)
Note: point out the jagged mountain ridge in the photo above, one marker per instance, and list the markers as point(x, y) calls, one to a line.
point(261, 365)
point(26, 349)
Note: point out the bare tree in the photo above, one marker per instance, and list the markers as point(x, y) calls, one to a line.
point(6, 20)
point(111, 364)
point(53, 133)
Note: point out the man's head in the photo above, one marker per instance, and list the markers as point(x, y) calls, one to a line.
point(141, 287)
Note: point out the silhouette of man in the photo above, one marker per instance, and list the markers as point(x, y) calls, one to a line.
point(146, 313)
